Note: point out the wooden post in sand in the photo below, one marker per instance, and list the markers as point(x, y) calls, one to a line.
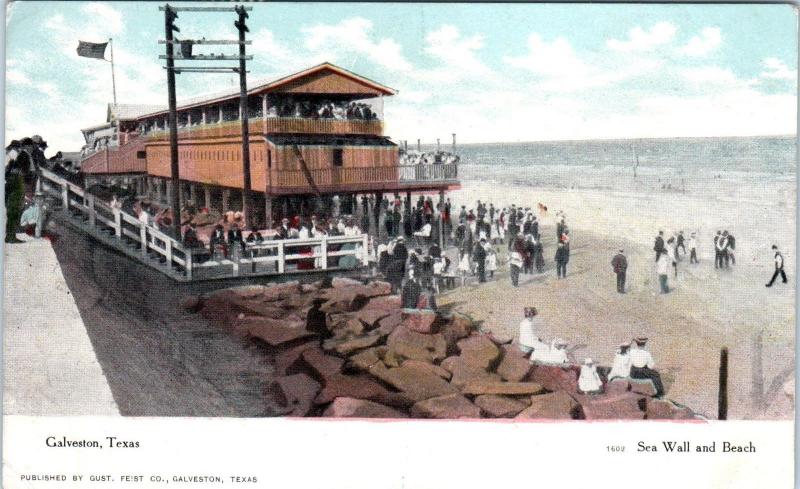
point(722, 412)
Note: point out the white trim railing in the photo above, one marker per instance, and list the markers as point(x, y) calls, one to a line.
point(268, 257)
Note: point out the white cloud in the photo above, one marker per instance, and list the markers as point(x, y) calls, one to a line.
point(104, 16)
point(353, 37)
point(454, 50)
point(711, 75)
point(776, 69)
point(553, 59)
point(17, 77)
point(640, 40)
point(709, 39)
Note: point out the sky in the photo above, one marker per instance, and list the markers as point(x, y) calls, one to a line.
point(490, 73)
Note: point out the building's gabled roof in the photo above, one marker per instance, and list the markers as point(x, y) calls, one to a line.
point(262, 86)
point(105, 125)
point(130, 112)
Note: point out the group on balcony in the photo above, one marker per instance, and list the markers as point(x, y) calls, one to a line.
point(322, 109)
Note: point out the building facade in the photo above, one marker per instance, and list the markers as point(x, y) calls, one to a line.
point(315, 134)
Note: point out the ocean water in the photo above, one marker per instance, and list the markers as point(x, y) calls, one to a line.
point(755, 170)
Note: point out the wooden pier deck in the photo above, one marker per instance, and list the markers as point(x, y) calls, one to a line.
point(147, 245)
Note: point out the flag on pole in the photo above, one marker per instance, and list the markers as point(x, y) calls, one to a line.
point(92, 49)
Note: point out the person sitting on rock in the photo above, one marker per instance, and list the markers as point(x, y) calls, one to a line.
point(642, 365)
point(589, 380)
point(556, 354)
point(621, 368)
point(526, 338)
point(317, 320)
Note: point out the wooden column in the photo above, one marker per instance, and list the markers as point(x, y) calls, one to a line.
point(441, 220)
point(159, 189)
point(193, 191)
point(268, 211)
point(207, 195)
point(169, 189)
point(226, 197)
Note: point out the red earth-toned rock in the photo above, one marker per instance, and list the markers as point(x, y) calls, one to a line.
point(464, 371)
point(324, 366)
point(555, 378)
point(513, 366)
point(270, 310)
point(384, 303)
point(479, 351)
point(499, 406)
point(273, 332)
point(456, 328)
point(342, 282)
point(345, 327)
point(357, 386)
point(429, 366)
point(643, 386)
point(312, 287)
point(342, 300)
point(451, 406)
point(421, 321)
point(285, 360)
point(366, 359)
point(416, 382)
point(347, 346)
point(417, 346)
point(348, 407)
point(556, 405)
point(370, 317)
point(499, 338)
point(294, 394)
point(618, 386)
point(508, 388)
point(666, 409)
point(621, 406)
point(389, 323)
point(277, 292)
point(249, 291)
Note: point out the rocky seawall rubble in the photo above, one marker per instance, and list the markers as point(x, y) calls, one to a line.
point(377, 360)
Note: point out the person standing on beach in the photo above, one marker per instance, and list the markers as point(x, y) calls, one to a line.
point(658, 247)
point(479, 256)
point(722, 251)
point(672, 252)
point(681, 244)
point(562, 258)
point(662, 269)
point(731, 248)
point(717, 254)
point(620, 265)
point(515, 266)
point(693, 248)
point(778, 267)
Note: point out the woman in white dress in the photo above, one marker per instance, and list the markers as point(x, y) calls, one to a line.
point(621, 367)
point(464, 266)
point(589, 380)
point(491, 260)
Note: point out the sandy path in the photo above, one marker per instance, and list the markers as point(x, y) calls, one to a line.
point(708, 310)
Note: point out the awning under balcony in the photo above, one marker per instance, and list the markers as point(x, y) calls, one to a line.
point(328, 140)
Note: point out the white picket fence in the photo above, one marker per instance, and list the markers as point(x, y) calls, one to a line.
point(267, 258)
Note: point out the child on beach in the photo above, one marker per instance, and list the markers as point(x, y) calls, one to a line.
point(491, 260)
point(464, 266)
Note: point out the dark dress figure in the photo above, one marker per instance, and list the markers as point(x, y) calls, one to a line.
point(410, 294)
point(562, 258)
point(539, 257)
point(658, 246)
point(620, 265)
point(317, 320)
point(479, 256)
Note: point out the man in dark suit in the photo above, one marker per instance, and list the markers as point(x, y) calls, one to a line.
point(411, 291)
point(190, 239)
point(235, 237)
point(620, 265)
point(283, 231)
point(218, 239)
point(658, 247)
point(479, 256)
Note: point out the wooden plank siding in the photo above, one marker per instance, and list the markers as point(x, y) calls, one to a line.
point(288, 125)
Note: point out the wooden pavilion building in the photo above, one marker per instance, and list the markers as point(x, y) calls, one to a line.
point(314, 135)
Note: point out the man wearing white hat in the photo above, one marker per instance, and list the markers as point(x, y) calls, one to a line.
point(642, 365)
point(589, 381)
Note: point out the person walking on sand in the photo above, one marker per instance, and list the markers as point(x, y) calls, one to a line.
point(562, 258)
point(731, 248)
point(722, 250)
point(680, 245)
point(717, 254)
point(672, 252)
point(491, 260)
point(658, 246)
point(778, 267)
point(515, 263)
point(693, 248)
point(662, 269)
point(620, 265)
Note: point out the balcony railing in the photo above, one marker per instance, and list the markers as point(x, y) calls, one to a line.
point(331, 178)
point(275, 125)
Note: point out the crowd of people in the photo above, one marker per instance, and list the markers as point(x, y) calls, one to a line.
point(322, 109)
point(631, 359)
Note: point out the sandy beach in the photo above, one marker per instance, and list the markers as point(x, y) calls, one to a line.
point(708, 309)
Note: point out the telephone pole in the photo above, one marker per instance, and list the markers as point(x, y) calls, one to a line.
point(169, 26)
point(244, 111)
point(170, 14)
